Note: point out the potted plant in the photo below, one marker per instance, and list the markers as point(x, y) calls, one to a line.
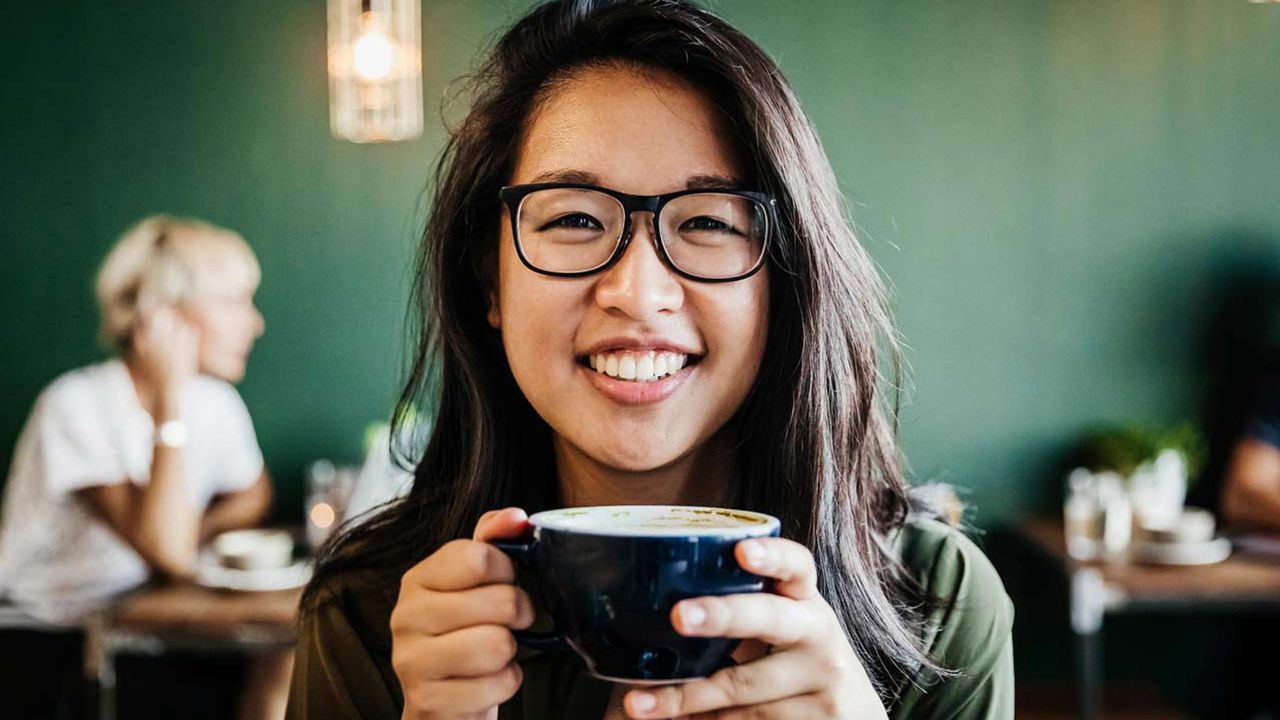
point(1156, 464)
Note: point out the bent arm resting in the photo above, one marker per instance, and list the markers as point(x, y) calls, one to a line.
point(241, 509)
point(158, 520)
point(1251, 493)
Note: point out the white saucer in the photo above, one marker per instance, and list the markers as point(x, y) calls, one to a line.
point(210, 573)
point(1206, 552)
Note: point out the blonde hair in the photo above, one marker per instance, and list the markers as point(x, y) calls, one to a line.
point(163, 261)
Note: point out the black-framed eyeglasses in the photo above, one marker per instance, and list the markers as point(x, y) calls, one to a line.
point(571, 229)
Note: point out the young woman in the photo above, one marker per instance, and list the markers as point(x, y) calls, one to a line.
point(638, 286)
point(127, 466)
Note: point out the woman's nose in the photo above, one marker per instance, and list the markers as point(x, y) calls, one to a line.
point(640, 284)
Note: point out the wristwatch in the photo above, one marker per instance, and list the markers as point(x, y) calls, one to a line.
point(172, 434)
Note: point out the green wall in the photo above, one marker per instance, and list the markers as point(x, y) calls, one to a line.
point(1058, 192)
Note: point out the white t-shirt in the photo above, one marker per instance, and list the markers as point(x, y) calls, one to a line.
point(58, 560)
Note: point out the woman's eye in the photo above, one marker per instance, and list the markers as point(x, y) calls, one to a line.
point(707, 223)
point(576, 221)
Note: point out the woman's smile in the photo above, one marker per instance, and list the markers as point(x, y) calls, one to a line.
point(631, 378)
point(633, 371)
point(642, 366)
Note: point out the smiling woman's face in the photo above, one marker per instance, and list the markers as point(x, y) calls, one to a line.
point(644, 134)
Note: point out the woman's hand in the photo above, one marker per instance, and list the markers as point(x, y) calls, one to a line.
point(166, 347)
point(808, 671)
point(451, 641)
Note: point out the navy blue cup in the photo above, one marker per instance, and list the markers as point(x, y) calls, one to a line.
point(609, 576)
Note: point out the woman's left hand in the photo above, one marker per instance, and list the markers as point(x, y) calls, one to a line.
point(807, 668)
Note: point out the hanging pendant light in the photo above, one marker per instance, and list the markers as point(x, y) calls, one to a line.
point(375, 69)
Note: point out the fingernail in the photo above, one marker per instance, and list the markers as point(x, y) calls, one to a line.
point(643, 701)
point(754, 552)
point(692, 614)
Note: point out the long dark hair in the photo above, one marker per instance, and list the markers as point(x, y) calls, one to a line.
point(815, 438)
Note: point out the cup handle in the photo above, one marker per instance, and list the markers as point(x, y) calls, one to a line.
point(518, 551)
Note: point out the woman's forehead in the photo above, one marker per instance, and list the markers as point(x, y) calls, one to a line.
point(642, 132)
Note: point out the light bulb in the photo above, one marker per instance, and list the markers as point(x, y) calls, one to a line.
point(373, 53)
point(375, 72)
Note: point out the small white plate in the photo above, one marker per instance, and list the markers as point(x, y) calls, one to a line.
point(211, 573)
point(1207, 552)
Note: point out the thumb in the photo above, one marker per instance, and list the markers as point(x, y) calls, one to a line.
point(499, 524)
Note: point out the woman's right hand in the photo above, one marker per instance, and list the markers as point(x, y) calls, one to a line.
point(451, 641)
point(166, 348)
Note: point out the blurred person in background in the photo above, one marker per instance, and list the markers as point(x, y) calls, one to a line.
point(1241, 482)
point(126, 467)
point(1251, 485)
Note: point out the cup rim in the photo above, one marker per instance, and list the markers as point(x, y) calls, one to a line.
point(555, 520)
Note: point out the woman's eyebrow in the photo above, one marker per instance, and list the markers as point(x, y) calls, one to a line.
point(712, 182)
point(694, 182)
point(580, 177)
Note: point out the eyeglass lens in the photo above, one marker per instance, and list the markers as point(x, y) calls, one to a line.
point(709, 235)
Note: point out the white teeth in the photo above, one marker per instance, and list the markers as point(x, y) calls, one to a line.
point(644, 366)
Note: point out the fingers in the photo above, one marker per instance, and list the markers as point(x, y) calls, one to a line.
point(786, 561)
point(778, 621)
point(158, 317)
point(501, 524)
point(434, 613)
point(168, 340)
point(465, 564)
point(151, 325)
point(184, 332)
point(460, 565)
point(452, 646)
point(162, 321)
point(470, 670)
point(767, 680)
point(464, 695)
point(806, 707)
point(470, 652)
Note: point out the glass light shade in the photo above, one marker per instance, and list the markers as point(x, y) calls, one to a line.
point(375, 69)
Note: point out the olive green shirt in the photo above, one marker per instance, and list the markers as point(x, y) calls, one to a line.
point(343, 665)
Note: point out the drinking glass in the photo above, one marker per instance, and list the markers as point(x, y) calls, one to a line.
point(328, 491)
point(1097, 515)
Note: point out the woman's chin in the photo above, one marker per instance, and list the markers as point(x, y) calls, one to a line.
point(232, 372)
point(632, 459)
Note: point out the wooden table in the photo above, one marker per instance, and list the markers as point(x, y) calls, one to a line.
point(1238, 584)
point(157, 619)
